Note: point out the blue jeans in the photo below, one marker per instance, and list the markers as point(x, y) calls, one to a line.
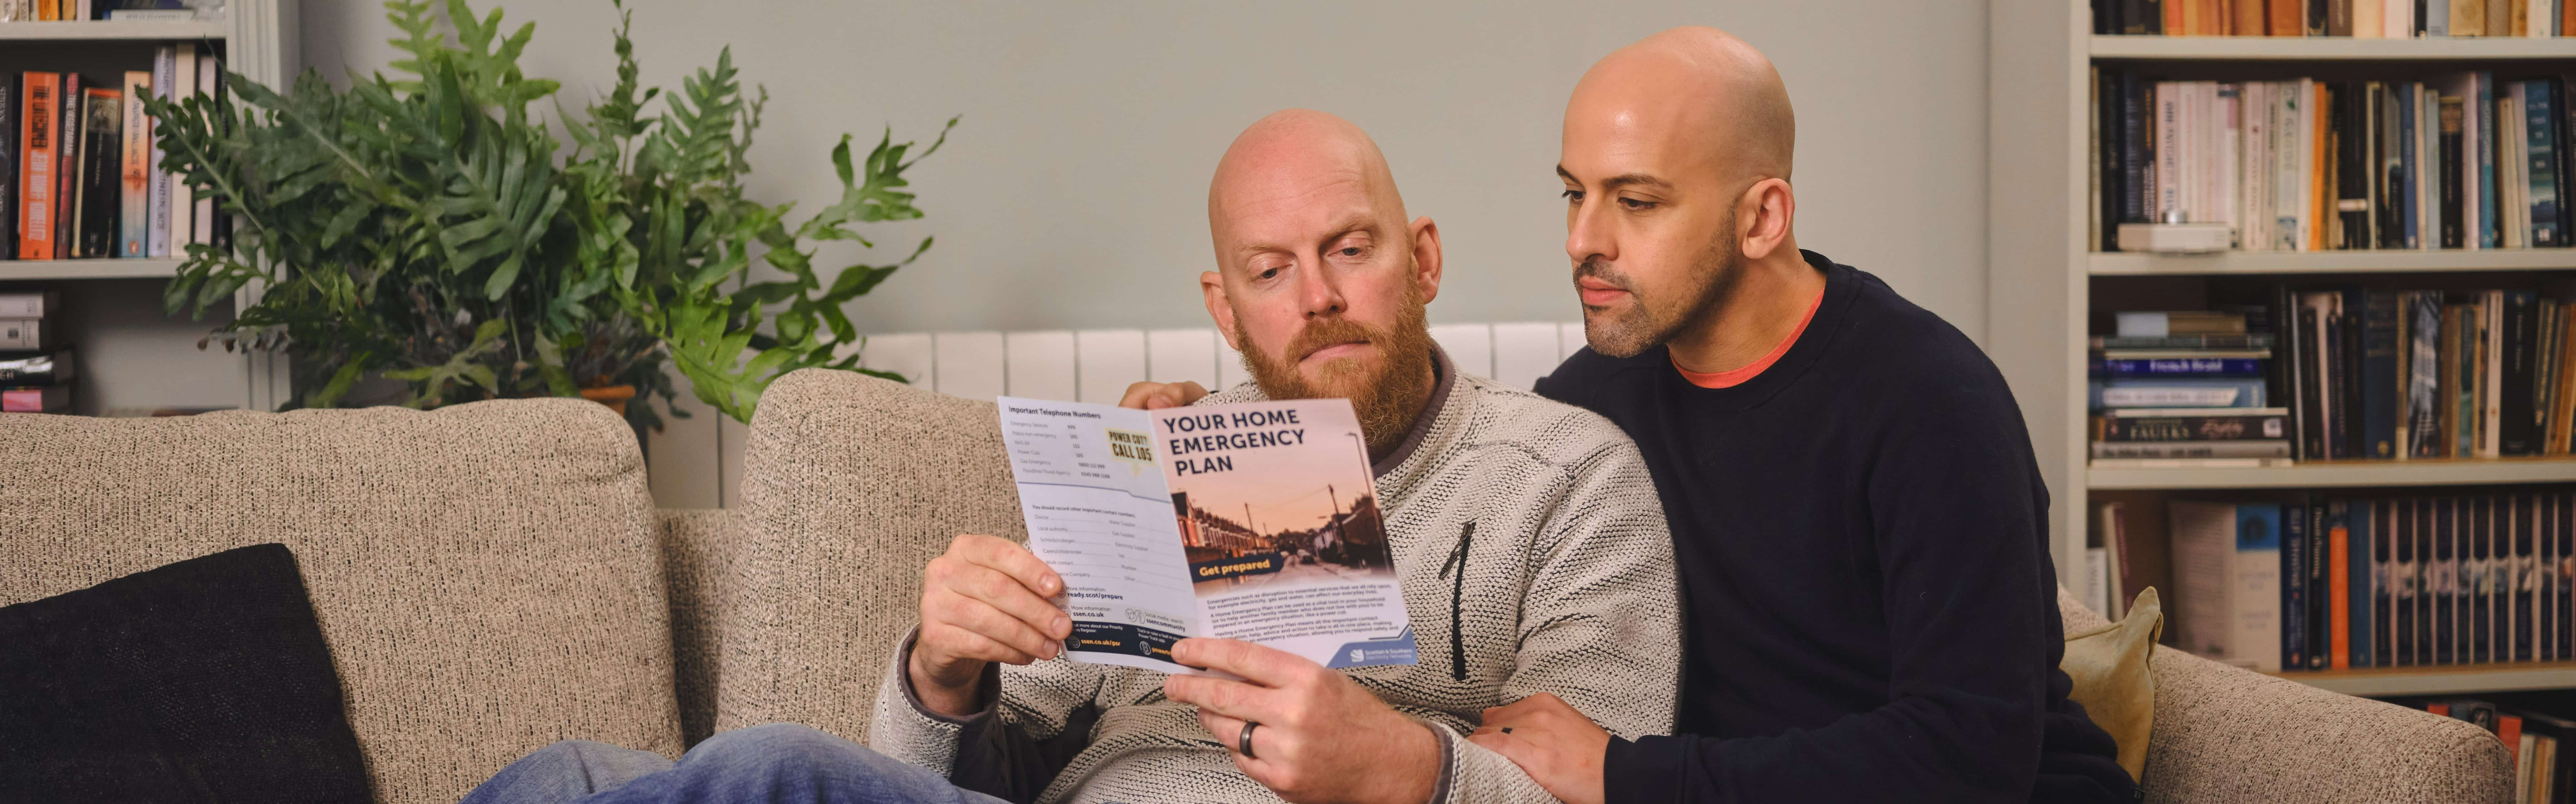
point(778, 763)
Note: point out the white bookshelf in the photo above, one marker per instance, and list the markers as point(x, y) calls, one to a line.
point(2449, 680)
point(2341, 474)
point(112, 30)
point(37, 270)
point(2267, 48)
point(132, 355)
point(2041, 274)
point(2329, 262)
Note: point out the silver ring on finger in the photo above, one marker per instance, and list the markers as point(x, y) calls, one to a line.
point(1243, 743)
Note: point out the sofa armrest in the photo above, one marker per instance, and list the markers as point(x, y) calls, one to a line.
point(697, 547)
point(2224, 733)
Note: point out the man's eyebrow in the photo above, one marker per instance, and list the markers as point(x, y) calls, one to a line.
point(1621, 180)
point(1356, 222)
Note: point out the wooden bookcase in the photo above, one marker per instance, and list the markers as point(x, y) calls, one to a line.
point(2043, 279)
point(130, 355)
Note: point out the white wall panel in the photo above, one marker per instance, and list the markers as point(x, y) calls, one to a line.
point(1524, 352)
point(1041, 365)
point(1182, 355)
point(1470, 346)
point(1109, 360)
point(1569, 339)
point(1229, 366)
point(970, 364)
point(910, 354)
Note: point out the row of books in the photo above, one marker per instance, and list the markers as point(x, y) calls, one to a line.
point(2329, 582)
point(2532, 740)
point(52, 10)
point(83, 177)
point(35, 370)
point(2366, 19)
point(2461, 161)
point(2185, 387)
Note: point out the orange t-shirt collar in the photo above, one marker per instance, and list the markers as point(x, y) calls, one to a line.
point(1730, 379)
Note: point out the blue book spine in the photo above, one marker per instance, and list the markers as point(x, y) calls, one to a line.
point(2544, 162)
point(2403, 582)
point(2488, 235)
point(2292, 521)
point(2361, 584)
point(2445, 578)
point(2176, 392)
point(2180, 367)
point(2379, 380)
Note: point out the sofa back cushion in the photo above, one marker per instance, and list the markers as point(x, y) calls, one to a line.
point(484, 574)
point(851, 485)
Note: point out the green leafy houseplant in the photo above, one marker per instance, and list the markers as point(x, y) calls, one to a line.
point(426, 231)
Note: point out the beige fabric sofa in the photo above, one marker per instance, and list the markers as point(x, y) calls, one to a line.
point(493, 577)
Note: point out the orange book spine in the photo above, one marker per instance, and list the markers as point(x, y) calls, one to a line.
point(2319, 204)
point(2509, 729)
point(2247, 16)
point(2175, 19)
point(2289, 18)
point(36, 132)
point(2339, 599)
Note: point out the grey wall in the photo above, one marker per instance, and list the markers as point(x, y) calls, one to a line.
point(1073, 194)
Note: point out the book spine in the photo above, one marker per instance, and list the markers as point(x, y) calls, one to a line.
point(2288, 18)
point(2312, 425)
point(2369, 580)
point(37, 134)
point(2191, 449)
point(2404, 582)
point(2185, 367)
point(2338, 587)
point(2481, 585)
point(203, 220)
point(2136, 129)
point(2446, 578)
point(2320, 604)
point(2379, 414)
point(134, 219)
point(2189, 428)
point(2520, 340)
point(2379, 573)
point(9, 102)
point(2525, 577)
point(2256, 340)
point(2352, 171)
point(2454, 212)
point(2424, 374)
point(183, 204)
point(67, 144)
point(2489, 236)
point(2564, 571)
point(164, 76)
point(2106, 152)
point(2407, 164)
point(2294, 595)
point(2491, 371)
point(106, 109)
point(2334, 381)
point(2169, 137)
point(2538, 119)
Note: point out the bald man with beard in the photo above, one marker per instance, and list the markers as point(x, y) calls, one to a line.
point(1526, 535)
point(1860, 524)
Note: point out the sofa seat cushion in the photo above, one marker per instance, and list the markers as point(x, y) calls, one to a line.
point(485, 574)
point(205, 680)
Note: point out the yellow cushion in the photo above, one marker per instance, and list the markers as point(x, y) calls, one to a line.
point(2109, 665)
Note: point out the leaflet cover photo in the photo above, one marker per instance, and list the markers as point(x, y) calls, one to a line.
point(1253, 521)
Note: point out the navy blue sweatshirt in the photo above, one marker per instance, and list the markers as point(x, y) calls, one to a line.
point(1862, 533)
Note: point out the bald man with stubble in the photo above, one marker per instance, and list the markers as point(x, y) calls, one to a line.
point(1860, 527)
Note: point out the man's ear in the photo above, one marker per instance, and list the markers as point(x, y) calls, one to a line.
point(1763, 216)
point(1212, 285)
point(1426, 257)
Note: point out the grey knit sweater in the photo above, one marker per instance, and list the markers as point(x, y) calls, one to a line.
point(1568, 589)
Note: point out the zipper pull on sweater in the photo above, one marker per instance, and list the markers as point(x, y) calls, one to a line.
point(1457, 598)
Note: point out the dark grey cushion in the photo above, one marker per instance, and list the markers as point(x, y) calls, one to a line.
point(201, 681)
